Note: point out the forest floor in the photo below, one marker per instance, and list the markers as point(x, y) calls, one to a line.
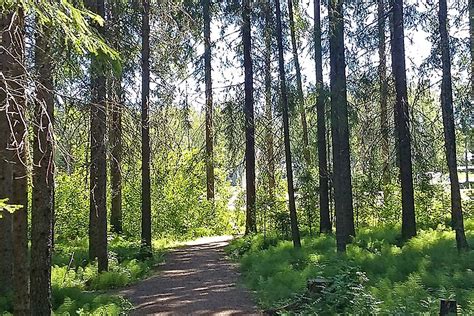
point(378, 274)
point(196, 278)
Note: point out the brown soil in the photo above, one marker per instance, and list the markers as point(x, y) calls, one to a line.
point(196, 279)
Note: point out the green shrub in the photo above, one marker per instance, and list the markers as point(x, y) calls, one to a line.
point(71, 198)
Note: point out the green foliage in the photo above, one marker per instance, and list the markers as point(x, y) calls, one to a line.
point(375, 276)
point(272, 213)
point(181, 209)
point(72, 268)
point(6, 303)
point(257, 242)
point(179, 206)
point(71, 206)
point(72, 300)
point(347, 293)
point(77, 285)
point(374, 206)
point(72, 22)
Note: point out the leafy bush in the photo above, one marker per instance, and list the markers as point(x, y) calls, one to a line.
point(71, 198)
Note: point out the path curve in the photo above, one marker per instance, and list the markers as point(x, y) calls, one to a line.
point(196, 279)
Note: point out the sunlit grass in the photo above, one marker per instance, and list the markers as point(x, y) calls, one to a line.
point(376, 271)
point(78, 288)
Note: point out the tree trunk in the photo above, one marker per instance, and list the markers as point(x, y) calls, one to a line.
point(98, 166)
point(330, 168)
point(299, 86)
point(43, 180)
point(251, 222)
point(268, 102)
point(116, 155)
point(286, 131)
point(146, 195)
point(449, 131)
point(115, 134)
point(208, 79)
point(402, 122)
point(383, 90)
point(15, 74)
point(466, 161)
point(340, 129)
point(325, 225)
point(471, 39)
point(6, 232)
point(448, 307)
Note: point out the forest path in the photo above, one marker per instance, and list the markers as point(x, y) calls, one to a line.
point(196, 279)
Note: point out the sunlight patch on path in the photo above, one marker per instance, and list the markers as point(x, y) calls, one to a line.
point(224, 240)
point(196, 279)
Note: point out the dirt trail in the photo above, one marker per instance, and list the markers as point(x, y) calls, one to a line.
point(196, 279)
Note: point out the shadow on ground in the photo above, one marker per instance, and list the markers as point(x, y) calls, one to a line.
point(196, 279)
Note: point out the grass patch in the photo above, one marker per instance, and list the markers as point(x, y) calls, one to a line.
point(73, 300)
point(375, 275)
point(78, 288)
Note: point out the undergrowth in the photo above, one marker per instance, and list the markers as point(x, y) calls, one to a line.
point(375, 276)
point(78, 288)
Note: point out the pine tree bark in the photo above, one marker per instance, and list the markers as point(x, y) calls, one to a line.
point(330, 173)
point(286, 131)
point(116, 155)
point(115, 135)
point(43, 179)
point(402, 121)
point(471, 39)
point(208, 80)
point(392, 81)
point(299, 85)
point(383, 90)
point(15, 74)
point(466, 161)
point(325, 225)
point(268, 101)
point(251, 221)
point(146, 195)
point(98, 165)
point(457, 221)
point(6, 228)
point(340, 129)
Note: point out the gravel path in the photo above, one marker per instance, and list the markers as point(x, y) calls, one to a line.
point(197, 279)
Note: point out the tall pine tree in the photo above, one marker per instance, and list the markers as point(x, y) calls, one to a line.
point(286, 131)
point(42, 208)
point(146, 195)
point(457, 221)
point(251, 218)
point(98, 166)
point(402, 122)
point(325, 225)
point(340, 128)
point(208, 81)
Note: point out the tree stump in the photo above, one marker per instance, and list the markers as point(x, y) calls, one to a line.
point(448, 307)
